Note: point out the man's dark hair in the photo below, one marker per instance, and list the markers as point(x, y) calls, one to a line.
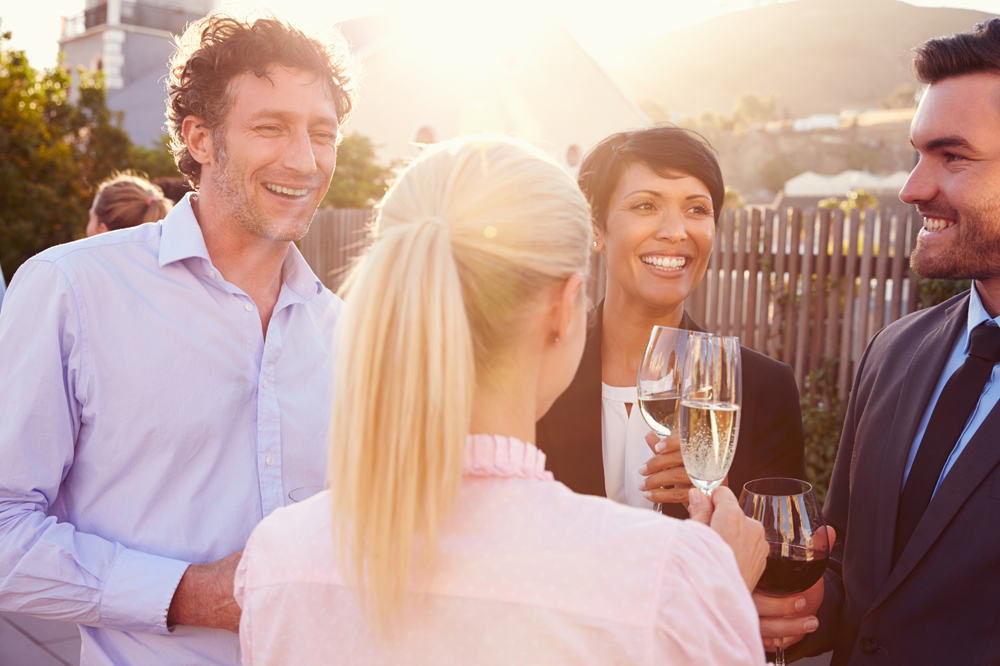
point(962, 53)
point(665, 149)
point(213, 51)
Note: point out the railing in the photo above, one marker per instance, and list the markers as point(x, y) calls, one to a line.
point(146, 16)
point(808, 288)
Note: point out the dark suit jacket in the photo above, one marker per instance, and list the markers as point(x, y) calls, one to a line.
point(941, 603)
point(770, 441)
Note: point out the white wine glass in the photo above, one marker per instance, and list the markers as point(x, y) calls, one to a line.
point(710, 408)
point(659, 381)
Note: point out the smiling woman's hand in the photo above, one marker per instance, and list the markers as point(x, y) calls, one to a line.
point(665, 479)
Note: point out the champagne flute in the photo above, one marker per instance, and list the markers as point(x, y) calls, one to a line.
point(659, 381)
point(710, 408)
point(796, 535)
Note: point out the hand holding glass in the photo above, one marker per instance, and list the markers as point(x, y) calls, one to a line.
point(710, 408)
point(659, 381)
point(796, 535)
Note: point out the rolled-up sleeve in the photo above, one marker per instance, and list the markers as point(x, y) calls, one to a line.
point(48, 568)
point(705, 615)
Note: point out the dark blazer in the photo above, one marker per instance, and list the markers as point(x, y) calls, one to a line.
point(941, 603)
point(770, 441)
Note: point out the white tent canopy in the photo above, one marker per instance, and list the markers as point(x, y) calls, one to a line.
point(812, 184)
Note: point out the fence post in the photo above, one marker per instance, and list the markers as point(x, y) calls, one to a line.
point(801, 334)
point(819, 299)
point(794, 252)
point(864, 290)
point(753, 265)
point(898, 266)
point(845, 373)
point(881, 274)
point(780, 254)
point(836, 271)
point(740, 236)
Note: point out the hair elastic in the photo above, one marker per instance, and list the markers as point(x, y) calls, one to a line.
point(149, 201)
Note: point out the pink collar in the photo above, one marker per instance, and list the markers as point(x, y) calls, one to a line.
point(495, 455)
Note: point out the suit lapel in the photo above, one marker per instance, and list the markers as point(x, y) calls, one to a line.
point(926, 366)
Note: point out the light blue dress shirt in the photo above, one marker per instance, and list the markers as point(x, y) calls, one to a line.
point(988, 400)
point(148, 424)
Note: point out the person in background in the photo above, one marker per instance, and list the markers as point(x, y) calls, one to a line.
point(126, 200)
point(915, 491)
point(172, 379)
point(656, 196)
point(443, 540)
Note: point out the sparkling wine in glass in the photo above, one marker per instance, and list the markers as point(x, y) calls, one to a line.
point(796, 535)
point(710, 408)
point(659, 381)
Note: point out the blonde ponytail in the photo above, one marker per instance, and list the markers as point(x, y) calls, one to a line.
point(470, 233)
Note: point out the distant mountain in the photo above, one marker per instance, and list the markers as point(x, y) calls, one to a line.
point(819, 56)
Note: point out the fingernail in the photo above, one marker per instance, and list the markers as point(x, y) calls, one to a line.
point(642, 484)
point(642, 470)
point(695, 497)
point(811, 624)
point(648, 495)
point(800, 603)
point(660, 447)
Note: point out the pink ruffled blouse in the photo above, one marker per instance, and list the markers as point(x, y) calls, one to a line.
point(527, 572)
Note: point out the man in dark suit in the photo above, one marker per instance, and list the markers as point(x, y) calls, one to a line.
point(915, 492)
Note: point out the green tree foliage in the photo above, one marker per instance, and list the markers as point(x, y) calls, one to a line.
point(156, 161)
point(830, 203)
point(859, 198)
point(733, 199)
point(754, 109)
point(359, 180)
point(778, 170)
point(863, 158)
point(902, 96)
point(54, 151)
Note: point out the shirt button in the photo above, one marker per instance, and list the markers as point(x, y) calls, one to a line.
point(269, 460)
point(249, 307)
point(211, 274)
point(264, 383)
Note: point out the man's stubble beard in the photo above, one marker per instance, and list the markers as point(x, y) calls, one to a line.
point(974, 254)
point(229, 183)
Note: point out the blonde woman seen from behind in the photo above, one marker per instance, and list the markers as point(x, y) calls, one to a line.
point(442, 539)
point(126, 200)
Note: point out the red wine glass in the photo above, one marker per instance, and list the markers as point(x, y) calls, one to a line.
point(796, 535)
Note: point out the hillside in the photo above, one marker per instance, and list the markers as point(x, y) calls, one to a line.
point(819, 56)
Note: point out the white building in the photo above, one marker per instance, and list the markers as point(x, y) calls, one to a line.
point(130, 42)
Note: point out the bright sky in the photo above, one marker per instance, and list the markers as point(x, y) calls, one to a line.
point(600, 30)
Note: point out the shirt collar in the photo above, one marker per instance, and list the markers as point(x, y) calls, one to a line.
point(181, 238)
point(298, 276)
point(180, 234)
point(977, 315)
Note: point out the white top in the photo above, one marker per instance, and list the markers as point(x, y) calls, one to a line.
point(624, 443)
point(527, 573)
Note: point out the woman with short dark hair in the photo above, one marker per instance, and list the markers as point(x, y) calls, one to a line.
point(656, 195)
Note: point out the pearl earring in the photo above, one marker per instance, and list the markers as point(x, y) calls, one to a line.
point(595, 243)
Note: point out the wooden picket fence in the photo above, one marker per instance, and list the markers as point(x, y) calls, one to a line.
point(805, 287)
point(808, 287)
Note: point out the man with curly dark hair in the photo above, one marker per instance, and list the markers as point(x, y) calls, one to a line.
point(173, 380)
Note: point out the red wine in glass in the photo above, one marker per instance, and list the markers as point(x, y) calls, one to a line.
point(791, 569)
point(796, 534)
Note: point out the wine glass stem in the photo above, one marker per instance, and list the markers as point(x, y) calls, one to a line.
point(779, 656)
